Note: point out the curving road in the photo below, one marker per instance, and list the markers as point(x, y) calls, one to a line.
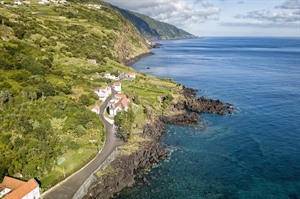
point(69, 187)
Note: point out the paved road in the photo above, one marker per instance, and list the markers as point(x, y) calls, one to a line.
point(68, 188)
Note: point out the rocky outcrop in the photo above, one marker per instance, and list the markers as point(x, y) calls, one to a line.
point(154, 130)
point(189, 93)
point(155, 45)
point(129, 62)
point(182, 119)
point(202, 104)
point(124, 169)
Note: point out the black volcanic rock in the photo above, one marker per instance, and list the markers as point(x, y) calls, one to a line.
point(189, 92)
point(203, 105)
point(184, 119)
point(126, 169)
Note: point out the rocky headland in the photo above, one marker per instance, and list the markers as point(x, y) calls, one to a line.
point(202, 104)
point(125, 170)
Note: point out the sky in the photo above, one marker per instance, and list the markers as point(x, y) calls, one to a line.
point(223, 17)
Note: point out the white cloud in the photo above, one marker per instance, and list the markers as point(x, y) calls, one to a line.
point(182, 13)
point(261, 24)
point(283, 15)
point(271, 16)
point(290, 4)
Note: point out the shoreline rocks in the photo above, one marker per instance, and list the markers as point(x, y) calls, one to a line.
point(125, 169)
point(129, 62)
point(182, 119)
point(202, 104)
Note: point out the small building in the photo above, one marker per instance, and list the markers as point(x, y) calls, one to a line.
point(103, 92)
point(117, 104)
point(12, 188)
point(109, 76)
point(95, 109)
point(117, 86)
point(43, 2)
point(130, 75)
point(18, 2)
point(92, 61)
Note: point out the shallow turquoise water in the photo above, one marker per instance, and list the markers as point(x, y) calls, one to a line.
point(253, 154)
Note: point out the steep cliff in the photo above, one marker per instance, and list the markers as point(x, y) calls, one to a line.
point(153, 29)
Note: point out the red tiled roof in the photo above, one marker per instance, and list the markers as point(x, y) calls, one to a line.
point(117, 83)
point(123, 102)
point(120, 95)
point(11, 183)
point(20, 188)
point(131, 73)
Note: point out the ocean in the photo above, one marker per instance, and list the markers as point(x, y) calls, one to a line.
point(252, 154)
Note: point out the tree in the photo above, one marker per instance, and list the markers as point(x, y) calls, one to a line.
point(124, 121)
point(86, 100)
point(5, 97)
point(57, 124)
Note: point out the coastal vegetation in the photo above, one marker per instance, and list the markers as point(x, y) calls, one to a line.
point(51, 58)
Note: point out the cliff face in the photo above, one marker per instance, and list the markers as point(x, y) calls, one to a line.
point(153, 29)
point(129, 43)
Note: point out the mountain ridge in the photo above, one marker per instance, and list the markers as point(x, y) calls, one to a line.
point(154, 29)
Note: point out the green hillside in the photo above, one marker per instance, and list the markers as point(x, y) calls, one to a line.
point(153, 29)
point(47, 78)
point(47, 83)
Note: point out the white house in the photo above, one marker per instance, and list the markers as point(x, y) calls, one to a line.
point(117, 104)
point(18, 3)
point(117, 86)
point(109, 76)
point(130, 75)
point(43, 2)
point(103, 92)
point(95, 109)
point(12, 188)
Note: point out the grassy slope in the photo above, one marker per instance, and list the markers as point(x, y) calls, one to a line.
point(46, 84)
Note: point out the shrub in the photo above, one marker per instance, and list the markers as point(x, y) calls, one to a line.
point(86, 100)
point(21, 75)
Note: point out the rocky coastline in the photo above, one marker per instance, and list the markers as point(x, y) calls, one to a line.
point(125, 170)
point(202, 104)
point(131, 61)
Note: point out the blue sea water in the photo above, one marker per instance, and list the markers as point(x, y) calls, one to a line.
point(252, 154)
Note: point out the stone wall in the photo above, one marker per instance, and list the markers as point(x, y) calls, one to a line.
point(83, 190)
